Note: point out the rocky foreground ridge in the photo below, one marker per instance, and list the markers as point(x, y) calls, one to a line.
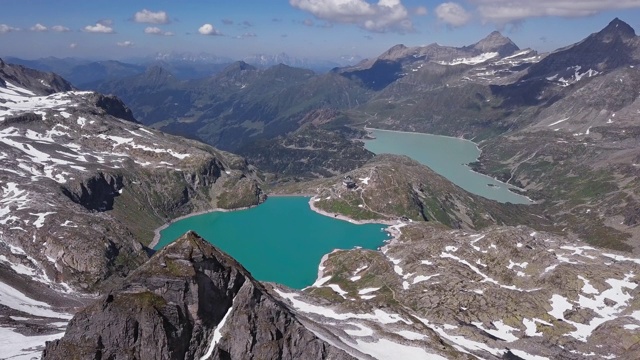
point(190, 301)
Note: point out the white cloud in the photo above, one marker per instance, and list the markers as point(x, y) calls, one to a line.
point(247, 35)
point(505, 11)
point(208, 29)
point(39, 28)
point(60, 28)
point(385, 15)
point(4, 28)
point(150, 17)
point(452, 14)
point(99, 28)
point(73, 45)
point(154, 30)
point(421, 11)
point(125, 43)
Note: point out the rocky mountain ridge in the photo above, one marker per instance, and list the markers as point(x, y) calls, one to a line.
point(190, 301)
point(558, 124)
point(237, 106)
point(401, 61)
point(390, 187)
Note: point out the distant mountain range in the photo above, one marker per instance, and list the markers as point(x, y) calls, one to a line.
point(87, 74)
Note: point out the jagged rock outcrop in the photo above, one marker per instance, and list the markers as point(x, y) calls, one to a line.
point(113, 106)
point(39, 82)
point(96, 193)
point(189, 301)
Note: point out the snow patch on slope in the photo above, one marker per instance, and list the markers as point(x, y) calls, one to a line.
point(472, 60)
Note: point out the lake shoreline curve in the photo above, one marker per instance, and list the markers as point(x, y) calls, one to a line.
point(312, 199)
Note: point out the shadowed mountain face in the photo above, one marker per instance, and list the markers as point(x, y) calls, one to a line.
point(378, 76)
point(614, 46)
point(238, 105)
point(39, 82)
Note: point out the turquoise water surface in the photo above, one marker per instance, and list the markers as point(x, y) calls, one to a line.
point(448, 157)
point(281, 240)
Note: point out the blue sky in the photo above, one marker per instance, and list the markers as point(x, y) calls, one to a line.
point(323, 29)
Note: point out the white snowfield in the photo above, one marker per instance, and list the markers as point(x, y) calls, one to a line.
point(61, 150)
point(574, 77)
point(217, 333)
point(360, 329)
point(479, 259)
point(472, 60)
point(15, 345)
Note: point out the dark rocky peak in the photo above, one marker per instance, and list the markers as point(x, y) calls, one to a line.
point(613, 47)
point(111, 105)
point(235, 71)
point(156, 71)
point(238, 66)
point(496, 42)
point(38, 82)
point(617, 28)
point(156, 75)
point(189, 300)
point(192, 248)
point(394, 53)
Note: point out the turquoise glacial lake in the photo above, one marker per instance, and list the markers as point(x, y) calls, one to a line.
point(281, 240)
point(446, 156)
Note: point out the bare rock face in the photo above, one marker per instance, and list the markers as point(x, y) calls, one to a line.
point(189, 301)
point(40, 83)
point(498, 43)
